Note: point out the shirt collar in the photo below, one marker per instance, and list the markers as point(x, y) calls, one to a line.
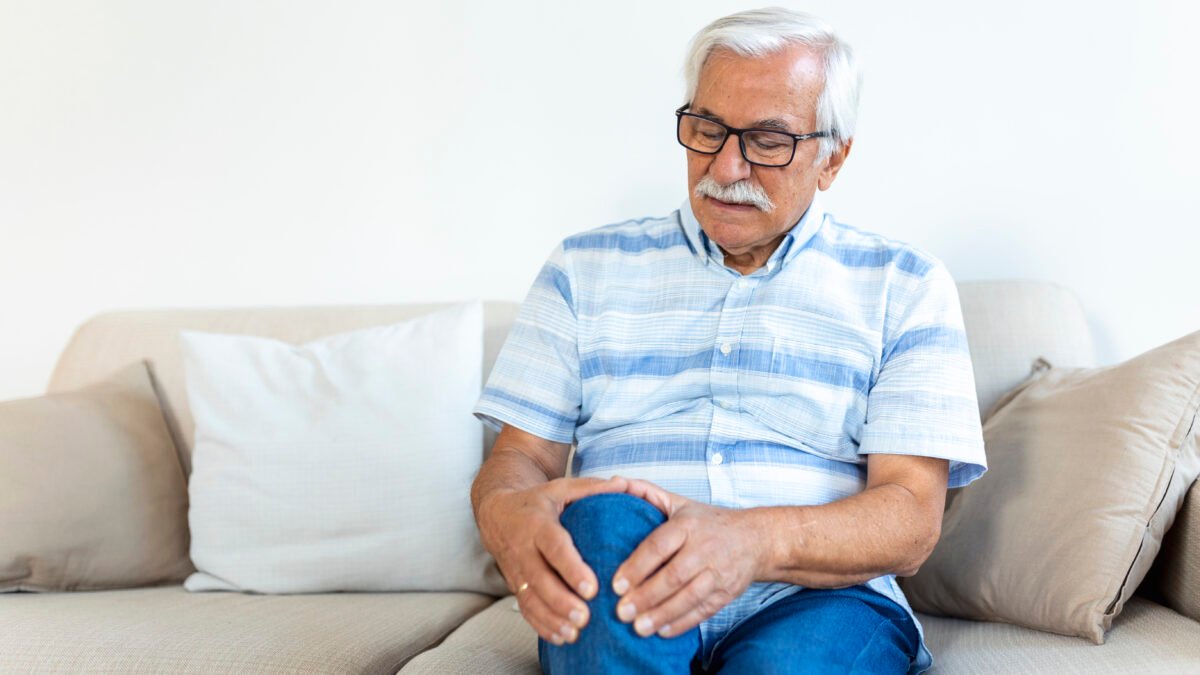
point(793, 242)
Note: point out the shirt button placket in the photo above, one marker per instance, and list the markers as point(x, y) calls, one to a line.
point(723, 378)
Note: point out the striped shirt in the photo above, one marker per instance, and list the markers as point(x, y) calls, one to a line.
point(640, 346)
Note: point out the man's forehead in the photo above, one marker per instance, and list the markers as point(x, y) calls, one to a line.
point(778, 90)
point(783, 122)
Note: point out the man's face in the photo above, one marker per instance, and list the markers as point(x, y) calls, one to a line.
point(774, 92)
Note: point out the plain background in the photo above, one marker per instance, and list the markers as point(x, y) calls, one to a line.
point(186, 154)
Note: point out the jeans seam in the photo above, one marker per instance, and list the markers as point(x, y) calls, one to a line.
point(870, 640)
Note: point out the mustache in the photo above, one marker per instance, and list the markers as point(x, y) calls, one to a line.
point(741, 192)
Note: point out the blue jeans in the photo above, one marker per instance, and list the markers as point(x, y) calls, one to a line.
point(846, 630)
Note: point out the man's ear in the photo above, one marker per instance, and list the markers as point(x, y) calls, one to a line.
point(833, 165)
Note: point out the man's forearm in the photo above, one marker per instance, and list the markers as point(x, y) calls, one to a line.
point(881, 530)
point(505, 470)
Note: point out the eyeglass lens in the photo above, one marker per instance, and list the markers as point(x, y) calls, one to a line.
point(763, 147)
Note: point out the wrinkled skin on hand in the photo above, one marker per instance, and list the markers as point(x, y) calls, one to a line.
point(687, 569)
point(522, 531)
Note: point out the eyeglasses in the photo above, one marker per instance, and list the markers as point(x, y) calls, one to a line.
point(763, 147)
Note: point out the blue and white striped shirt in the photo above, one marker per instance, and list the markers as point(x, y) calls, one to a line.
point(637, 344)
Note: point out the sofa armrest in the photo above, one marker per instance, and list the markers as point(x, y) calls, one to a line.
point(1177, 573)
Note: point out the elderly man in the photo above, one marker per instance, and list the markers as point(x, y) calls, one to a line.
point(767, 405)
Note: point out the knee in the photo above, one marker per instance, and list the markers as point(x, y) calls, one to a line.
point(610, 525)
point(606, 528)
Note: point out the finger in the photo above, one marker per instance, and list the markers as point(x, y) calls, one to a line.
point(654, 551)
point(665, 583)
point(532, 569)
point(564, 563)
point(577, 488)
point(683, 611)
point(661, 499)
point(550, 627)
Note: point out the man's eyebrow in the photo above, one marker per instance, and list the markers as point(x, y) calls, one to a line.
point(772, 123)
point(769, 123)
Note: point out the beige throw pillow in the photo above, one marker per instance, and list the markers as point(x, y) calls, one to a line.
point(92, 495)
point(1087, 469)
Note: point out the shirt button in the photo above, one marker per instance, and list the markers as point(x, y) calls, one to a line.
point(726, 348)
point(717, 458)
point(724, 405)
point(741, 283)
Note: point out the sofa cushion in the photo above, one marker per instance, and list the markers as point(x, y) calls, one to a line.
point(497, 640)
point(91, 492)
point(1175, 578)
point(1145, 637)
point(169, 630)
point(1088, 468)
point(342, 464)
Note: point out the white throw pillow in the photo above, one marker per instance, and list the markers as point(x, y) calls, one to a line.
point(343, 464)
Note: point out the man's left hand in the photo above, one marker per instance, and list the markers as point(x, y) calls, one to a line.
point(707, 554)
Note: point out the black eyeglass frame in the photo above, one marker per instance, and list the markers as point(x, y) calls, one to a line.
point(734, 131)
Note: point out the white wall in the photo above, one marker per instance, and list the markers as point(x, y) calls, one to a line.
point(242, 153)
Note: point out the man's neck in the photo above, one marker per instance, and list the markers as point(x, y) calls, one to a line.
point(748, 262)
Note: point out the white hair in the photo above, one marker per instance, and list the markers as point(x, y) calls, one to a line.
point(759, 32)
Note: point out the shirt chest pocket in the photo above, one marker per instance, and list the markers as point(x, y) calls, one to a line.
point(816, 394)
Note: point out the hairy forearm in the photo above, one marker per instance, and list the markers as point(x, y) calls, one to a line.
point(881, 530)
point(507, 469)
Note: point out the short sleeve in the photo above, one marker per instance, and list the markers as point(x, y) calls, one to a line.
point(923, 401)
point(535, 384)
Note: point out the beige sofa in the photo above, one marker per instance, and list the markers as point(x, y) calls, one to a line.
point(166, 629)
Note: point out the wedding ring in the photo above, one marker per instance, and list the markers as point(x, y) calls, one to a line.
point(522, 587)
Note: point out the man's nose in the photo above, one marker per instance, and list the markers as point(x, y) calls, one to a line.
point(729, 165)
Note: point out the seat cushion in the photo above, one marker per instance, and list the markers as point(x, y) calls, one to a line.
point(166, 629)
point(496, 640)
point(1145, 638)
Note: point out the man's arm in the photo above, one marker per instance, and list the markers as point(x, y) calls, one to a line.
point(518, 497)
point(890, 527)
point(518, 460)
point(709, 555)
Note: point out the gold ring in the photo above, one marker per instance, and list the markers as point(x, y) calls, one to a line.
point(523, 587)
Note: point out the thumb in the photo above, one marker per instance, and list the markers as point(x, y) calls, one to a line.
point(585, 487)
point(667, 502)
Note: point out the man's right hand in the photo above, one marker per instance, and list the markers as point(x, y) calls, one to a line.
point(536, 555)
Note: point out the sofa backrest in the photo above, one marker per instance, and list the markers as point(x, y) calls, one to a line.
point(1009, 324)
point(109, 340)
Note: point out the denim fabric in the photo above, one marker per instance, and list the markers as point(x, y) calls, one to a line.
point(606, 528)
point(847, 630)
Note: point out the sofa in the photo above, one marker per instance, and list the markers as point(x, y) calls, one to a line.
point(1010, 324)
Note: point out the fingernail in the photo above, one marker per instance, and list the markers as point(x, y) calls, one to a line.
point(570, 635)
point(586, 589)
point(620, 585)
point(626, 611)
point(578, 617)
point(644, 626)
point(665, 631)
point(556, 639)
